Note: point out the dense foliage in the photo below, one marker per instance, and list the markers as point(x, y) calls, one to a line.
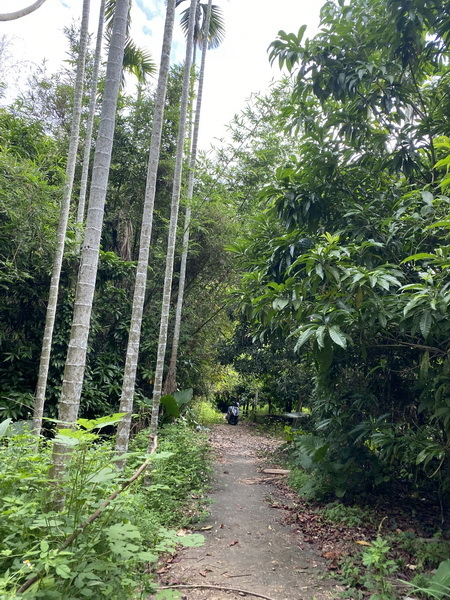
point(114, 557)
point(348, 262)
point(32, 174)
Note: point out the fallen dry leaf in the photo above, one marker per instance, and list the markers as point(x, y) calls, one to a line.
point(363, 543)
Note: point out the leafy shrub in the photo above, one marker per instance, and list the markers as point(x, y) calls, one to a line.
point(302, 482)
point(206, 414)
point(438, 586)
point(181, 476)
point(111, 559)
point(339, 469)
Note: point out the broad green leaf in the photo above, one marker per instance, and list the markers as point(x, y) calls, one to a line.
point(63, 571)
point(4, 426)
point(66, 440)
point(325, 357)
point(427, 196)
point(425, 324)
point(412, 303)
point(444, 162)
point(162, 455)
point(192, 540)
point(392, 279)
point(311, 449)
point(147, 557)
point(440, 224)
point(320, 336)
point(280, 303)
point(171, 405)
point(183, 396)
point(105, 474)
point(90, 424)
point(419, 256)
point(440, 582)
point(304, 337)
point(337, 336)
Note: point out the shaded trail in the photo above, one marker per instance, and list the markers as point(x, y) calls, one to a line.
point(248, 547)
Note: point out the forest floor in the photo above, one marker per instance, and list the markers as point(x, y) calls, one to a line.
point(251, 542)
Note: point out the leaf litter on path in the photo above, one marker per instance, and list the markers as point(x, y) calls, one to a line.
point(246, 535)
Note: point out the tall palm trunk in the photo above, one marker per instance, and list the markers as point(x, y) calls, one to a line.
point(18, 14)
point(62, 226)
point(91, 116)
point(175, 205)
point(76, 354)
point(171, 380)
point(129, 379)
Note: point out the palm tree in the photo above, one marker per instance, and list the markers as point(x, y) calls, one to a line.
point(216, 30)
point(18, 14)
point(206, 38)
point(62, 226)
point(90, 121)
point(84, 295)
point(129, 379)
point(174, 209)
point(135, 61)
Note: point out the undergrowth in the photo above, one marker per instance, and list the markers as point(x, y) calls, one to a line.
point(206, 414)
point(113, 557)
point(387, 565)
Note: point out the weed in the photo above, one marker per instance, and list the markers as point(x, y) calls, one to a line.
point(379, 568)
point(352, 516)
point(298, 480)
point(112, 559)
point(426, 554)
point(206, 414)
point(437, 586)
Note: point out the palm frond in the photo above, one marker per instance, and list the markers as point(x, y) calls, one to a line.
point(110, 7)
point(137, 61)
point(216, 33)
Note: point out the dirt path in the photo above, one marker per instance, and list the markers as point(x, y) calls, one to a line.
point(247, 546)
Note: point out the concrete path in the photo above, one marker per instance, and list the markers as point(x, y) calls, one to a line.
point(247, 546)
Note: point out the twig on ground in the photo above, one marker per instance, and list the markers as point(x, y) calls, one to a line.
point(216, 587)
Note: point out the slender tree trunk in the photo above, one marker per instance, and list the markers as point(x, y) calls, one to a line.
point(62, 226)
point(90, 122)
point(129, 379)
point(171, 380)
point(175, 205)
point(18, 14)
point(76, 354)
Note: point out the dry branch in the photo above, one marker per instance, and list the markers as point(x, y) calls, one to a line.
point(18, 14)
point(216, 587)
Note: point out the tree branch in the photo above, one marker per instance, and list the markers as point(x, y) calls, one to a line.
point(21, 13)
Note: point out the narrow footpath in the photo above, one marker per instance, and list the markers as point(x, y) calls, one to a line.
point(247, 547)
